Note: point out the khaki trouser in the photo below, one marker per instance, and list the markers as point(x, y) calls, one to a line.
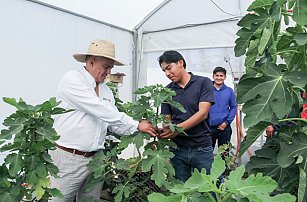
point(73, 173)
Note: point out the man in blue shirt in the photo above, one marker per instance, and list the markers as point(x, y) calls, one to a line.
point(224, 110)
point(195, 93)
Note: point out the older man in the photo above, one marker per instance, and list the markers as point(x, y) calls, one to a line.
point(83, 131)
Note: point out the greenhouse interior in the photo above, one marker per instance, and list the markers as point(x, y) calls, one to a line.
point(125, 100)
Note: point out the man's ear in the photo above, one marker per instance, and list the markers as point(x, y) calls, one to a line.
point(91, 61)
point(180, 62)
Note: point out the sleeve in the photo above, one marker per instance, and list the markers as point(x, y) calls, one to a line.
point(81, 97)
point(232, 107)
point(207, 93)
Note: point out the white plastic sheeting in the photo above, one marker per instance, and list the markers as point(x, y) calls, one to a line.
point(126, 14)
point(36, 46)
point(37, 40)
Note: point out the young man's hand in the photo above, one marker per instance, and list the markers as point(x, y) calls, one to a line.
point(146, 127)
point(167, 133)
point(222, 126)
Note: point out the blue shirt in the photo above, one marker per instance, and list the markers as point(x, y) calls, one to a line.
point(225, 107)
point(198, 89)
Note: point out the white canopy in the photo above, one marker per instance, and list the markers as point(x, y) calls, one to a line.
point(38, 39)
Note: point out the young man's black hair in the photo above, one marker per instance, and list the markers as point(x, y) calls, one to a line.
point(219, 69)
point(171, 56)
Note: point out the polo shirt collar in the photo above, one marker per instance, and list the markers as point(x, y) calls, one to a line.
point(192, 80)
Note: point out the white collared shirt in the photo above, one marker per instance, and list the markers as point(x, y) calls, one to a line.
point(85, 128)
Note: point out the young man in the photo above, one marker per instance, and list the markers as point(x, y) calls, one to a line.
point(195, 93)
point(224, 110)
point(83, 131)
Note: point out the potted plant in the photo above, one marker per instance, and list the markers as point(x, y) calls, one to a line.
point(150, 170)
point(27, 137)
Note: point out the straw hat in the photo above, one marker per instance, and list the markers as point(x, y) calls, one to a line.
point(99, 48)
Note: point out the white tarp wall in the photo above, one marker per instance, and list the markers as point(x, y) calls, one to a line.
point(36, 46)
point(204, 31)
point(201, 51)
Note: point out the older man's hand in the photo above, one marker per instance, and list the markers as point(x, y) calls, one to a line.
point(146, 127)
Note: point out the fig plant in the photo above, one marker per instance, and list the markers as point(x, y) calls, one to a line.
point(28, 136)
point(149, 170)
point(203, 187)
point(274, 40)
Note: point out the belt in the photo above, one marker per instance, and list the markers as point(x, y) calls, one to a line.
point(75, 151)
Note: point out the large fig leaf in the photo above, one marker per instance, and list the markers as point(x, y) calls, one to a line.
point(289, 152)
point(137, 139)
point(264, 96)
point(250, 24)
point(157, 197)
point(159, 161)
point(252, 135)
point(255, 188)
point(291, 52)
point(265, 162)
point(300, 12)
point(260, 3)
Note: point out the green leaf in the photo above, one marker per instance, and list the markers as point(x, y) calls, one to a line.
point(254, 187)
point(252, 54)
point(252, 135)
point(137, 139)
point(120, 191)
point(121, 164)
point(159, 161)
point(56, 193)
point(264, 40)
point(265, 161)
point(157, 197)
point(11, 101)
point(260, 4)
point(300, 12)
point(288, 152)
point(39, 187)
point(292, 53)
point(264, 96)
point(7, 134)
point(194, 182)
point(252, 25)
point(301, 38)
point(302, 185)
point(48, 133)
point(297, 78)
point(218, 167)
point(32, 162)
point(97, 164)
point(15, 163)
point(8, 197)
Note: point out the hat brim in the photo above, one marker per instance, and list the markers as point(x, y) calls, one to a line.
point(81, 58)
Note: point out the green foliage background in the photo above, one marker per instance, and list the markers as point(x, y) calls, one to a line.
point(276, 73)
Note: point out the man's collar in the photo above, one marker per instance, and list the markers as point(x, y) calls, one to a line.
point(88, 77)
point(192, 80)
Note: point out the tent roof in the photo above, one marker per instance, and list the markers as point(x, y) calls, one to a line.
point(154, 15)
point(125, 14)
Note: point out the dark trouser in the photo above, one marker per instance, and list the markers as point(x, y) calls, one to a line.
point(186, 159)
point(222, 136)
